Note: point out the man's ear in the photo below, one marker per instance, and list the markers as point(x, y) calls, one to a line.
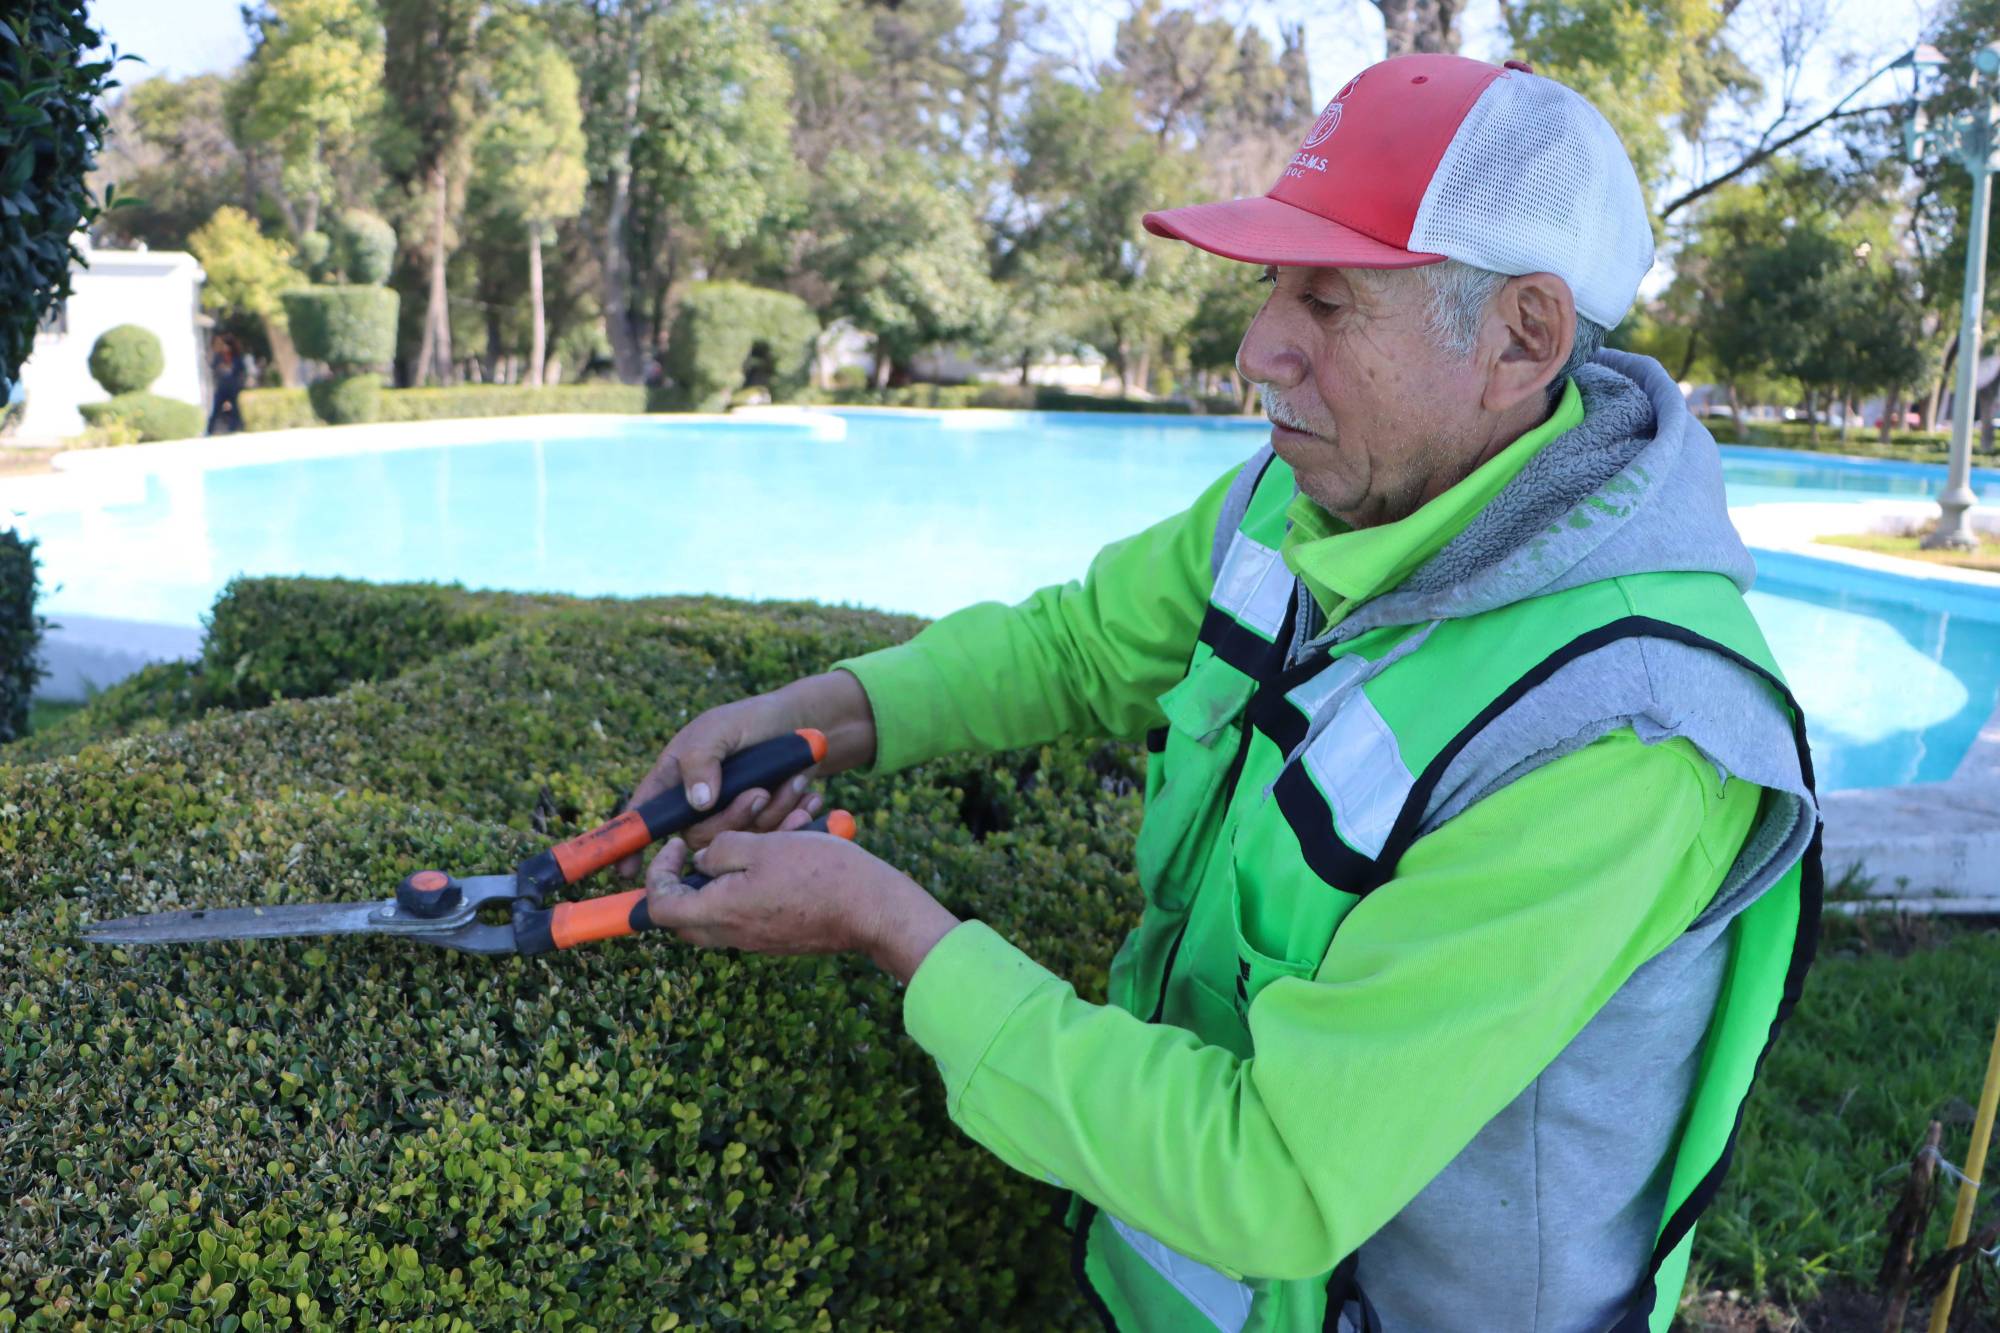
point(1533, 318)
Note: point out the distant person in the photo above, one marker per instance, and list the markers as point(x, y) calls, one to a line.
point(230, 368)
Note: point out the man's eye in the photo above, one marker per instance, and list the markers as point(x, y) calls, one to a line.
point(1317, 306)
point(1269, 275)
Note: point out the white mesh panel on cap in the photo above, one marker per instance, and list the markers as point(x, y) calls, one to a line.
point(1536, 181)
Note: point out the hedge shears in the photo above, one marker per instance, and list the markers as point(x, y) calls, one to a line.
point(439, 908)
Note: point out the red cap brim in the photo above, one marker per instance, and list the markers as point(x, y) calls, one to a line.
point(1262, 230)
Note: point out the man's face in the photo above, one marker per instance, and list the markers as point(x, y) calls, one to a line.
point(1372, 415)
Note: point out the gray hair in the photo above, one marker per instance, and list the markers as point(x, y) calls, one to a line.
point(1459, 296)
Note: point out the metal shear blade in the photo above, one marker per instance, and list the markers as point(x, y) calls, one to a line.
point(457, 929)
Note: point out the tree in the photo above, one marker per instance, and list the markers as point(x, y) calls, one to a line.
point(246, 271)
point(171, 154)
point(309, 92)
point(905, 257)
point(1090, 170)
point(51, 127)
point(530, 146)
point(429, 69)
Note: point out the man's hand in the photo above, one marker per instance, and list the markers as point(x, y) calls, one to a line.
point(834, 702)
point(796, 892)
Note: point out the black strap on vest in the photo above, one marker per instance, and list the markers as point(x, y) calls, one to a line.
point(1638, 1311)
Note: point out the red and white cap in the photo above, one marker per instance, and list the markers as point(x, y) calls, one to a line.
point(1429, 157)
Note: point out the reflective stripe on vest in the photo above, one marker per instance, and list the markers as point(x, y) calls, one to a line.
point(1225, 1301)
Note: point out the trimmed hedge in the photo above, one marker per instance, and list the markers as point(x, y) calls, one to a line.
point(287, 409)
point(1035, 398)
point(717, 328)
point(508, 400)
point(20, 632)
point(126, 359)
point(352, 325)
point(341, 1133)
point(277, 409)
point(151, 415)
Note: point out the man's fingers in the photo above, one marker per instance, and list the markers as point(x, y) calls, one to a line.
point(796, 820)
point(738, 814)
point(789, 796)
point(729, 851)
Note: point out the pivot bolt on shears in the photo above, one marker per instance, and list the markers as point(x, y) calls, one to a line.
point(439, 908)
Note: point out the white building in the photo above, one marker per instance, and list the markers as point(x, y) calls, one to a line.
point(155, 289)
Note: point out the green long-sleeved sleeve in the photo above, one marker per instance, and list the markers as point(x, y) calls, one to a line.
point(1083, 658)
point(1444, 975)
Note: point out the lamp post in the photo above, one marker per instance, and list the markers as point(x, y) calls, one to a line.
point(1970, 137)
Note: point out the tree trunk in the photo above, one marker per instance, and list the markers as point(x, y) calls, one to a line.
point(1846, 414)
point(283, 354)
point(882, 365)
point(1736, 412)
point(538, 335)
point(438, 316)
point(1420, 25)
point(1933, 402)
point(1143, 372)
point(1812, 418)
point(1982, 403)
point(617, 266)
point(1892, 414)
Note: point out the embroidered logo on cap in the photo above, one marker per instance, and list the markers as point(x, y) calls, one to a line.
point(1329, 119)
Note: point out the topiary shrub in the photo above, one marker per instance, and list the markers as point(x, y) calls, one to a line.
point(20, 632)
point(300, 638)
point(718, 328)
point(126, 359)
point(149, 415)
point(364, 247)
point(347, 1133)
point(353, 329)
point(343, 326)
point(341, 400)
point(52, 123)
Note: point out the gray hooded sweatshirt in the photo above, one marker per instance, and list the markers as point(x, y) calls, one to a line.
point(1548, 1218)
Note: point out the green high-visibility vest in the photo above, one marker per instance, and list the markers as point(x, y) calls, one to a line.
point(1333, 761)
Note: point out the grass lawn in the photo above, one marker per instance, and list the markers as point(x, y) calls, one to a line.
point(46, 712)
point(1892, 1033)
point(1986, 558)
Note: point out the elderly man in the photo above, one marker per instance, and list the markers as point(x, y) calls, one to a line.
point(1480, 851)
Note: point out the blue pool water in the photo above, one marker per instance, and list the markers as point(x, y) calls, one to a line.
point(911, 514)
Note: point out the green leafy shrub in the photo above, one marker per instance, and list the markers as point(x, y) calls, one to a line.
point(149, 415)
point(364, 247)
point(341, 400)
point(316, 256)
point(276, 409)
point(52, 123)
point(20, 632)
point(301, 638)
point(507, 400)
point(344, 326)
point(718, 329)
point(350, 1133)
point(126, 359)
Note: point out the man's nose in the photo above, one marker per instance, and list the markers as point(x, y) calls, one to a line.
point(1267, 356)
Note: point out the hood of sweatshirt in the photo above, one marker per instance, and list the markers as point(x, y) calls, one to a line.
point(1635, 488)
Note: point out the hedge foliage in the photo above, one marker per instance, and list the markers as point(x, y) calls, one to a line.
point(126, 358)
point(365, 247)
point(347, 327)
point(52, 122)
point(718, 328)
point(341, 400)
point(20, 632)
point(288, 409)
point(149, 416)
point(1033, 398)
point(351, 1133)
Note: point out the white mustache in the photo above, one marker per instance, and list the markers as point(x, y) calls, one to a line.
point(1277, 410)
